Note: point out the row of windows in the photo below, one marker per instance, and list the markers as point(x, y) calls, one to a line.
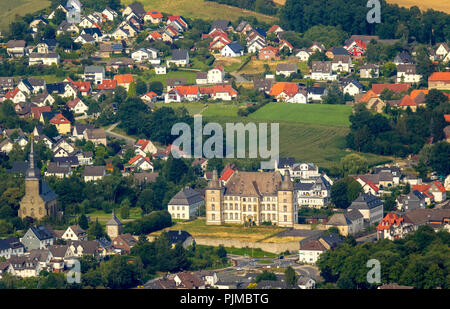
point(236, 216)
point(177, 207)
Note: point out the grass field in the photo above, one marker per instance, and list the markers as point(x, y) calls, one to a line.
point(198, 229)
point(150, 76)
point(9, 9)
point(200, 9)
point(335, 115)
point(437, 5)
point(103, 217)
point(254, 253)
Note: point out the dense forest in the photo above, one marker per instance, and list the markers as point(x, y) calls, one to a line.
point(420, 260)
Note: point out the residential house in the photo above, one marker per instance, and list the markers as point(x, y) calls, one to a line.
point(180, 236)
point(124, 80)
point(288, 92)
point(16, 96)
point(144, 147)
point(124, 242)
point(141, 163)
point(160, 70)
point(302, 54)
point(254, 46)
point(309, 252)
point(439, 81)
point(149, 97)
point(74, 232)
point(410, 201)
point(370, 206)
point(11, 247)
point(406, 73)
point(154, 17)
point(369, 71)
point(315, 194)
point(269, 53)
point(97, 136)
point(37, 237)
point(348, 223)
point(321, 70)
point(43, 59)
point(435, 188)
point(216, 75)
point(6, 83)
point(234, 49)
point(95, 74)
point(351, 87)
point(403, 57)
point(180, 57)
point(61, 123)
point(341, 63)
point(391, 227)
point(58, 171)
point(77, 106)
point(286, 69)
point(93, 173)
point(16, 48)
point(316, 94)
point(185, 204)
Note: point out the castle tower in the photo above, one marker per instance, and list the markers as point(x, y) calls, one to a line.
point(287, 209)
point(113, 226)
point(213, 201)
point(39, 200)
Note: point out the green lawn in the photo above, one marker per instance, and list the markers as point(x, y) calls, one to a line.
point(150, 76)
point(9, 9)
point(103, 217)
point(254, 253)
point(200, 9)
point(333, 115)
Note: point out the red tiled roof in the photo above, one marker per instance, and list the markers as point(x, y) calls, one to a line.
point(289, 88)
point(284, 42)
point(390, 219)
point(135, 158)
point(155, 14)
point(36, 111)
point(155, 35)
point(378, 88)
point(123, 78)
point(59, 119)
point(407, 101)
point(439, 185)
point(416, 92)
point(273, 28)
point(187, 90)
point(107, 84)
point(73, 103)
point(227, 174)
point(447, 118)
point(82, 86)
point(439, 76)
point(12, 93)
point(151, 94)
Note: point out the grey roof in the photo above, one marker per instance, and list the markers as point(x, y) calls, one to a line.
point(10, 243)
point(66, 161)
point(201, 75)
point(89, 246)
point(303, 186)
point(339, 51)
point(366, 201)
point(321, 66)
point(179, 54)
point(241, 26)
point(316, 90)
point(41, 232)
point(58, 250)
point(332, 240)
point(286, 162)
point(220, 24)
point(54, 168)
point(186, 196)
point(94, 171)
point(178, 236)
point(235, 47)
point(353, 215)
point(114, 220)
point(290, 67)
point(15, 43)
point(137, 9)
point(94, 69)
point(47, 193)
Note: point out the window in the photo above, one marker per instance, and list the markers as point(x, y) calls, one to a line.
point(213, 217)
point(243, 208)
point(213, 207)
point(285, 218)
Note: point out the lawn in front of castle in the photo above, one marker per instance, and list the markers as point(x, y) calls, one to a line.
point(198, 229)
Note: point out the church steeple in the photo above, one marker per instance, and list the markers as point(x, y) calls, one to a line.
point(31, 172)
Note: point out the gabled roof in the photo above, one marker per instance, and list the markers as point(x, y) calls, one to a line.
point(59, 119)
point(439, 76)
point(41, 232)
point(378, 88)
point(179, 54)
point(288, 88)
point(186, 196)
point(123, 78)
point(235, 47)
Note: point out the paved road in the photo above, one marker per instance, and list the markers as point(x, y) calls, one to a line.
point(128, 140)
point(239, 78)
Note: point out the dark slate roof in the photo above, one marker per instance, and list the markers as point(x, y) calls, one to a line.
point(186, 196)
point(285, 162)
point(346, 81)
point(137, 9)
point(332, 240)
point(220, 24)
point(303, 186)
point(178, 236)
point(261, 31)
point(92, 31)
point(179, 54)
point(235, 47)
point(41, 232)
point(241, 26)
point(47, 193)
point(64, 161)
point(21, 167)
point(94, 171)
point(94, 69)
point(366, 201)
point(316, 90)
point(54, 168)
point(404, 57)
point(339, 51)
point(56, 88)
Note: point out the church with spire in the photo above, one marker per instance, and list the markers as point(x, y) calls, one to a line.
point(251, 198)
point(39, 199)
